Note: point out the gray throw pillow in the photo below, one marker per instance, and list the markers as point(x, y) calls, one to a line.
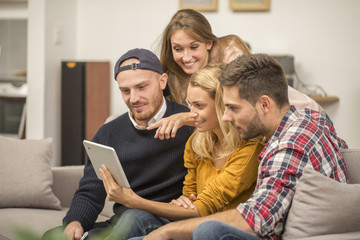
point(322, 206)
point(25, 174)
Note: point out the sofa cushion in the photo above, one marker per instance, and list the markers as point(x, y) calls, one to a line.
point(352, 160)
point(322, 206)
point(36, 221)
point(65, 190)
point(337, 236)
point(25, 174)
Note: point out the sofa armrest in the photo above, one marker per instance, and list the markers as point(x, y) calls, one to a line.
point(66, 181)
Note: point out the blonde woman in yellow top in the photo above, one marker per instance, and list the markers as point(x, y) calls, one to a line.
point(222, 168)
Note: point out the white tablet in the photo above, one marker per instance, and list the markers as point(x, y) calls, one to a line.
point(100, 154)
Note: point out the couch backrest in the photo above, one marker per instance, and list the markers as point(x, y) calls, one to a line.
point(352, 160)
point(66, 181)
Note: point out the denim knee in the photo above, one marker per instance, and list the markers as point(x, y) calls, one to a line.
point(131, 215)
point(214, 230)
point(134, 223)
point(144, 222)
point(204, 230)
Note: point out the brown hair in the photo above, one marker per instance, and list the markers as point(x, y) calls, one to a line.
point(198, 27)
point(256, 75)
point(224, 49)
point(227, 48)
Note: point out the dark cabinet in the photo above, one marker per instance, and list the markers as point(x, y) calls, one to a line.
point(85, 94)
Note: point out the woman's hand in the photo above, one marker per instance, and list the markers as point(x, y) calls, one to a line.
point(167, 127)
point(115, 192)
point(184, 201)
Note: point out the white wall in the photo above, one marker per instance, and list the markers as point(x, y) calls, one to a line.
point(60, 29)
point(35, 118)
point(107, 29)
point(46, 49)
point(322, 35)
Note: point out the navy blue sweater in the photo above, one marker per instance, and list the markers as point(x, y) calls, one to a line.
point(155, 168)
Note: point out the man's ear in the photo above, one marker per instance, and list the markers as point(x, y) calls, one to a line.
point(163, 80)
point(265, 103)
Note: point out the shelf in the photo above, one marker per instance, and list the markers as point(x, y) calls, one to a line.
point(12, 79)
point(327, 99)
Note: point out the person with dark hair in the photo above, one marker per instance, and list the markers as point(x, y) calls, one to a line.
point(256, 100)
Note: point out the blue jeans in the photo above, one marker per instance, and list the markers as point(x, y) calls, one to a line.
point(214, 230)
point(135, 223)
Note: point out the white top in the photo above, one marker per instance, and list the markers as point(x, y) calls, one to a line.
point(301, 100)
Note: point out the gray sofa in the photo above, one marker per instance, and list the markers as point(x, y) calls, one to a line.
point(65, 183)
point(322, 208)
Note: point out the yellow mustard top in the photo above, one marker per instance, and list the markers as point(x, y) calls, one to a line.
point(224, 188)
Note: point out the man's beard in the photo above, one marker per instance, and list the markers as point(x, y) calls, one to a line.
point(255, 128)
point(151, 108)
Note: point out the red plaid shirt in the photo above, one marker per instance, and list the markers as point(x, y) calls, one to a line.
point(303, 137)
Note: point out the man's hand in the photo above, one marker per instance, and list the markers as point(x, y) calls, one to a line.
point(73, 230)
point(167, 127)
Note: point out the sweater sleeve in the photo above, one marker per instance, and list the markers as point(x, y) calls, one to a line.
point(88, 200)
point(191, 165)
point(234, 182)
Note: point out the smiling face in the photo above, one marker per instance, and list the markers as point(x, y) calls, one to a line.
point(188, 53)
point(142, 92)
point(200, 102)
point(243, 116)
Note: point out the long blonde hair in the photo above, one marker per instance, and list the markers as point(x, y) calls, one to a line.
point(203, 143)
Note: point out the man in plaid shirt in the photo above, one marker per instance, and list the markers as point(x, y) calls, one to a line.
point(256, 99)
